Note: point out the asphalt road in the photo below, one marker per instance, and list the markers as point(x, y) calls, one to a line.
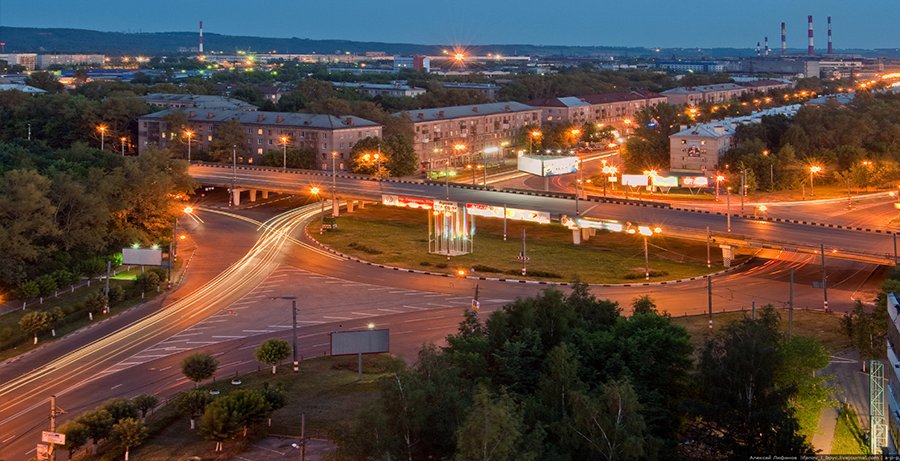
point(231, 313)
point(674, 222)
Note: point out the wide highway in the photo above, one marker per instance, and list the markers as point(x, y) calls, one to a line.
point(840, 243)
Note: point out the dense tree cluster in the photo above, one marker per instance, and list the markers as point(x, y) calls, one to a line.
point(567, 377)
point(61, 209)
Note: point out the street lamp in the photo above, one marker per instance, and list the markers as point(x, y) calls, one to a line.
point(378, 165)
point(532, 136)
point(315, 192)
point(728, 207)
point(646, 232)
point(189, 134)
point(719, 179)
point(761, 209)
point(233, 172)
point(173, 245)
point(102, 129)
point(284, 143)
point(813, 170)
point(334, 206)
point(608, 172)
point(294, 325)
point(122, 143)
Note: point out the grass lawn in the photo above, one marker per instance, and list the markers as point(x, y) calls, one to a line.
point(9, 323)
point(826, 328)
point(848, 435)
point(399, 237)
point(326, 391)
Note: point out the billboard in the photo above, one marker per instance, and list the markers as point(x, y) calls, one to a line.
point(593, 223)
point(695, 181)
point(665, 181)
point(516, 214)
point(635, 180)
point(360, 342)
point(141, 257)
point(548, 166)
point(408, 202)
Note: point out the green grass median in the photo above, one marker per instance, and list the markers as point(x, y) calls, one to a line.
point(399, 237)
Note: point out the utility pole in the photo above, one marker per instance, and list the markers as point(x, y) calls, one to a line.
point(728, 207)
point(753, 310)
point(791, 305)
point(504, 232)
point(233, 174)
point(447, 179)
point(53, 413)
point(476, 306)
point(708, 254)
point(524, 255)
point(334, 204)
point(743, 187)
point(294, 325)
point(709, 298)
point(29, 132)
point(824, 279)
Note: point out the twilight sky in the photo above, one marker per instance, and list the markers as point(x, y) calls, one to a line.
point(651, 23)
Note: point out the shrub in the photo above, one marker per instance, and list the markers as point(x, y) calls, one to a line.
point(425, 263)
point(365, 249)
point(161, 273)
point(92, 267)
point(535, 273)
point(483, 268)
point(46, 284)
point(441, 265)
point(148, 281)
point(28, 290)
point(640, 275)
point(95, 302)
point(64, 278)
point(116, 294)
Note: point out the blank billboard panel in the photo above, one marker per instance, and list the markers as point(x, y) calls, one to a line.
point(141, 257)
point(360, 342)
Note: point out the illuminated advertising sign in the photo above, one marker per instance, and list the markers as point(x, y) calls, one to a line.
point(548, 166)
point(445, 207)
point(695, 181)
point(635, 180)
point(665, 181)
point(514, 214)
point(407, 202)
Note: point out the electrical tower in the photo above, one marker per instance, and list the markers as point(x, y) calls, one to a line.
point(877, 419)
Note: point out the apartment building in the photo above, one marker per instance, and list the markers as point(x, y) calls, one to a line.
point(326, 134)
point(720, 92)
point(45, 61)
point(606, 108)
point(892, 369)
point(197, 101)
point(477, 127)
point(26, 60)
point(394, 89)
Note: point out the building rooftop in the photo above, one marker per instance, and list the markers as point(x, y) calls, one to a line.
point(467, 85)
point(620, 96)
point(287, 119)
point(449, 113)
point(20, 87)
point(703, 88)
point(727, 127)
point(198, 101)
point(568, 101)
point(377, 86)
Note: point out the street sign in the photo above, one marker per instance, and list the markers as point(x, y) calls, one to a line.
point(53, 437)
point(43, 452)
point(522, 257)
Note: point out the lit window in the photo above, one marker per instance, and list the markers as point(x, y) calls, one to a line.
point(259, 131)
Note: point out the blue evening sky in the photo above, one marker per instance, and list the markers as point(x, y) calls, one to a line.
point(651, 23)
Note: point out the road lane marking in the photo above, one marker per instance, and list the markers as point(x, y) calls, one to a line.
point(164, 368)
point(402, 332)
point(393, 311)
point(416, 308)
point(336, 318)
point(258, 331)
point(279, 326)
point(229, 336)
point(424, 319)
point(117, 385)
point(313, 322)
point(364, 314)
point(320, 345)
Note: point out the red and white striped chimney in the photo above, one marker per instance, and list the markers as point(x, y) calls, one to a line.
point(783, 38)
point(201, 36)
point(830, 49)
point(810, 49)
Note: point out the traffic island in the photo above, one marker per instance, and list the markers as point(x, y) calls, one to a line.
point(399, 237)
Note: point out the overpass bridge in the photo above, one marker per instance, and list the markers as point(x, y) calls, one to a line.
point(872, 246)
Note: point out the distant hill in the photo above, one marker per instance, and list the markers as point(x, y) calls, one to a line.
point(41, 40)
point(26, 39)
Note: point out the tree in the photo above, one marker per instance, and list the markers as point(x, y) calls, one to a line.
point(129, 432)
point(228, 136)
point(304, 158)
point(611, 424)
point(272, 352)
point(193, 403)
point(742, 408)
point(98, 423)
point(26, 222)
point(199, 366)
point(219, 424)
point(144, 403)
point(76, 436)
point(492, 430)
point(121, 409)
point(643, 305)
point(866, 330)
point(35, 323)
point(362, 156)
point(45, 81)
point(402, 160)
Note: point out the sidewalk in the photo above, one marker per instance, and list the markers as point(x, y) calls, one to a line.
point(824, 437)
point(851, 387)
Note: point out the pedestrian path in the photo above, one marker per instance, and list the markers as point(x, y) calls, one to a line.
point(824, 436)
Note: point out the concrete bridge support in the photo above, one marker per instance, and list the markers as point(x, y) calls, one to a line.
point(265, 194)
point(252, 195)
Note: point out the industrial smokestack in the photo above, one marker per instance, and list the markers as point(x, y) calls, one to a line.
point(767, 46)
point(783, 39)
point(757, 48)
point(830, 49)
point(201, 37)
point(810, 49)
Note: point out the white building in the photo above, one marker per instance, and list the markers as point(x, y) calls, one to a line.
point(45, 61)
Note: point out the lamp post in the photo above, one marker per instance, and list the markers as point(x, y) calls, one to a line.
point(334, 206)
point(378, 164)
point(765, 153)
point(122, 143)
point(532, 136)
point(102, 129)
point(284, 143)
point(189, 134)
point(812, 172)
point(719, 179)
point(646, 232)
point(173, 245)
point(315, 191)
point(233, 172)
point(447, 179)
point(728, 207)
point(294, 326)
